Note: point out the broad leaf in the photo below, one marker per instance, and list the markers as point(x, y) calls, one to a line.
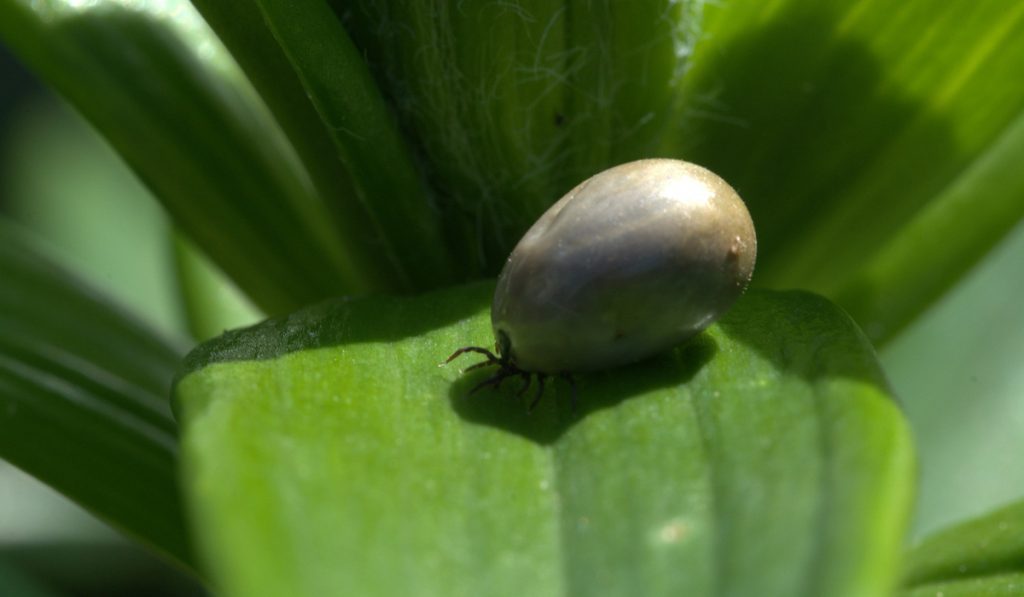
point(327, 453)
point(83, 399)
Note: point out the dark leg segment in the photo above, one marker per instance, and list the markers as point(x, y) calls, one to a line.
point(490, 355)
point(494, 380)
point(507, 369)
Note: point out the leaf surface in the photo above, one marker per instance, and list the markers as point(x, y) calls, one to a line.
point(157, 84)
point(985, 555)
point(83, 399)
point(877, 146)
point(326, 452)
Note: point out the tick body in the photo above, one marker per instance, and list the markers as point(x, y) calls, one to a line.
point(628, 264)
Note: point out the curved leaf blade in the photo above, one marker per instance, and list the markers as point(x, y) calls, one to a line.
point(971, 215)
point(988, 546)
point(515, 103)
point(318, 86)
point(212, 304)
point(326, 452)
point(83, 399)
point(1000, 585)
point(406, 226)
point(165, 96)
point(865, 139)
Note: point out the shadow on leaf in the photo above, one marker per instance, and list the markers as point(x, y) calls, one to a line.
point(506, 407)
point(807, 121)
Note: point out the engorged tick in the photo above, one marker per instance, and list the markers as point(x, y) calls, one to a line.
point(633, 261)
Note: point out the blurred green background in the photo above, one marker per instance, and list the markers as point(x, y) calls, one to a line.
point(48, 545)
point(956, 369)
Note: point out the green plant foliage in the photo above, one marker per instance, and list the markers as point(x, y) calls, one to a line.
point(382, 147)
point(958, 376)
point(327, 453)
point(72, 211)
point(212, 304)
point(193, 130)
point(367, 151)
point(82, 399)
point(877, 149)
point(1000, 585)
point(524, 99)
point(15, 582)
point(984, 552)
point(857, 135)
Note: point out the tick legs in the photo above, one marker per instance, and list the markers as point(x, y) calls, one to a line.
point(496, 379)
point(500, 376)
point(506, 370)
point(491, 359)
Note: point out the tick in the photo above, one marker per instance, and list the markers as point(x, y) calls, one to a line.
point(633, 261)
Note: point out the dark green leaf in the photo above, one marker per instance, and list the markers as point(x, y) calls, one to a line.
point(326, 453)
point(83, 399)
point(319, 87)
point(515, 103)
point(17, 582)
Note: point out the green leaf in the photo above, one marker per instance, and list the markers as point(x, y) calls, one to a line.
point(1000, 585)
point(14, 581)
point(958, 375)
point(212, 303)
point(155, 82)
point(406, 226)
point(318, 85)
point(984, 552)
point(74, 211)
point(877, 146)
point(83, 402)
point(858, 134)
point(327, 453)
point(515, 103)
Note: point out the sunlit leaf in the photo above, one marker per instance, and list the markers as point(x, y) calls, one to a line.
point(326, 452)
point(877, 146)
